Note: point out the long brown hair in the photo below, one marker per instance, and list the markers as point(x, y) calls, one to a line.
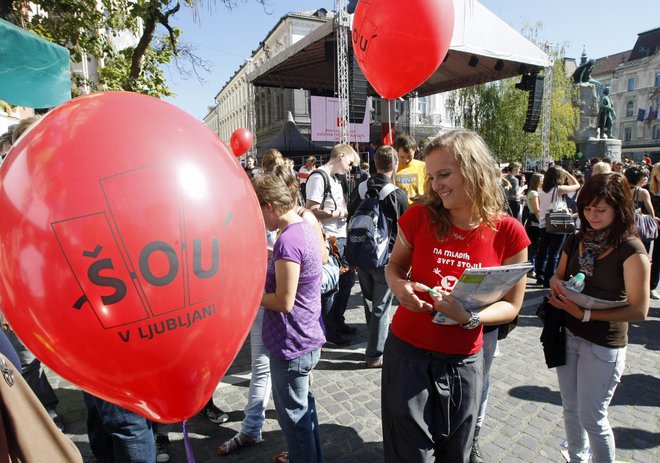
point(655, 187)
point(614, 189)
point(481, 174)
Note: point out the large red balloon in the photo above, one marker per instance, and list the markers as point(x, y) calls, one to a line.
point(132, 251)
point(241, 141)
point(399, 44)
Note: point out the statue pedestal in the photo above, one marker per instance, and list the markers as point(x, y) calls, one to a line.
point(588, 104)
point(602, 148)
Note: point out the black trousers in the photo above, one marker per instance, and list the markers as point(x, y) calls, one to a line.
point(430, 402)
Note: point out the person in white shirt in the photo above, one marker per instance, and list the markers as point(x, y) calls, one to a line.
point(325, 198)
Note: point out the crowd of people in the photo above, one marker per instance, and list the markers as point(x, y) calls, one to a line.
point(560, 187)
point(447, 198)
point(454, 199)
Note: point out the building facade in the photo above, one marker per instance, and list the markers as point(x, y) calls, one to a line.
point(263, 109)
point(634, 80)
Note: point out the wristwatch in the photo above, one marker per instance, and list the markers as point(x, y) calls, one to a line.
point(474, 321)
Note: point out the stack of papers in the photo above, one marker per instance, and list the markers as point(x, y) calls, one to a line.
point(593, 303)
point(481, 287)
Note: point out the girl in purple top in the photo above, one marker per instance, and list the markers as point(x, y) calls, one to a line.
point(292, 331)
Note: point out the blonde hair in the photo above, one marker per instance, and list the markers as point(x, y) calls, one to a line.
point(601, 168)
point(289, 180)
point(22, 126)
point(270, 159)
point(271, 189)
point(347, 150)
point(482, 179)
point(654, 187)
point(535, 181)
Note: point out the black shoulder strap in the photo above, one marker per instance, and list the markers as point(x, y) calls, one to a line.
point(326, 186)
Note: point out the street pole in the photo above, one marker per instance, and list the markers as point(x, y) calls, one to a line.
point(343, 117)
point(251, 122)
point(546, 111)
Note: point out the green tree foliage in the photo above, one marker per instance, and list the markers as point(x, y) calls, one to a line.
point(497, 111)
point(565, 117)
point(87, 28)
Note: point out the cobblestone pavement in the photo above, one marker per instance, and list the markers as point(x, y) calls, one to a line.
point(523, 424)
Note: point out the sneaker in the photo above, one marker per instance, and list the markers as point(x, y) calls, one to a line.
point(655, 294)
point(338, 340)
point(378, 363)
point(214, 414)
point(162, 448)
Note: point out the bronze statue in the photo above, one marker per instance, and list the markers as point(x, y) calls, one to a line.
point(606, 114)
point(583, 72)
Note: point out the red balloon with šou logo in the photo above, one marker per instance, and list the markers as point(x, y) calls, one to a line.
point(241, 141)
point(133, 251)
point(400, 44)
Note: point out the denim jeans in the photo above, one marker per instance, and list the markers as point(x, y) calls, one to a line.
point(587, 383)
point(532, 250)
point(333, 310)
point(118, 435)
point(8, 351)
point(547, 257)
point(377, 299)
point(259, 390)
point(490, 345)
point(34, 374)
point(295, 406)
point(655, 264)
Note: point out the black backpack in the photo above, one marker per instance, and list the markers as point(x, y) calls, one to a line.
point(368, 237)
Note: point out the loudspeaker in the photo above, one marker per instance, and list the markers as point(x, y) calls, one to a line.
point(357, 90)
point(330, 50)
point(534, 104)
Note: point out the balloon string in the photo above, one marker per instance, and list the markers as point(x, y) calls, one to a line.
point(186, 442)
point(389, 121)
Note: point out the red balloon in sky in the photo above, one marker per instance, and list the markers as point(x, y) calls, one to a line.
point(399, 44)
point(241, 141)
point(133, 251)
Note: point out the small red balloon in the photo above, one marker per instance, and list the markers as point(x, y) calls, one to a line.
point(398, 45)
point(133, 251)
point(241, 141)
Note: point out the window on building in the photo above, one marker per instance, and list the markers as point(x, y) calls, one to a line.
point(280, 105)
point(627, 134)
point(421, 106)
point(656, 132)
point(657, 79)
point(631, 84)
point(629, 108)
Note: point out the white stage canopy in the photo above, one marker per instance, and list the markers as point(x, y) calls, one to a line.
point(483, 49)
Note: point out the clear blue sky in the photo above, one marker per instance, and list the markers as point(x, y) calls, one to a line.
point(226, 37)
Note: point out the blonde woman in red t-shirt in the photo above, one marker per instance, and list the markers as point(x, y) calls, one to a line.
point(433, 374)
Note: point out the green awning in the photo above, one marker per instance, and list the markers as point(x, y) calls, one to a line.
point(34, 72)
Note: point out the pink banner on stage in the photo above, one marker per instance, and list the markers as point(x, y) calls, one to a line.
point(326, 121)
